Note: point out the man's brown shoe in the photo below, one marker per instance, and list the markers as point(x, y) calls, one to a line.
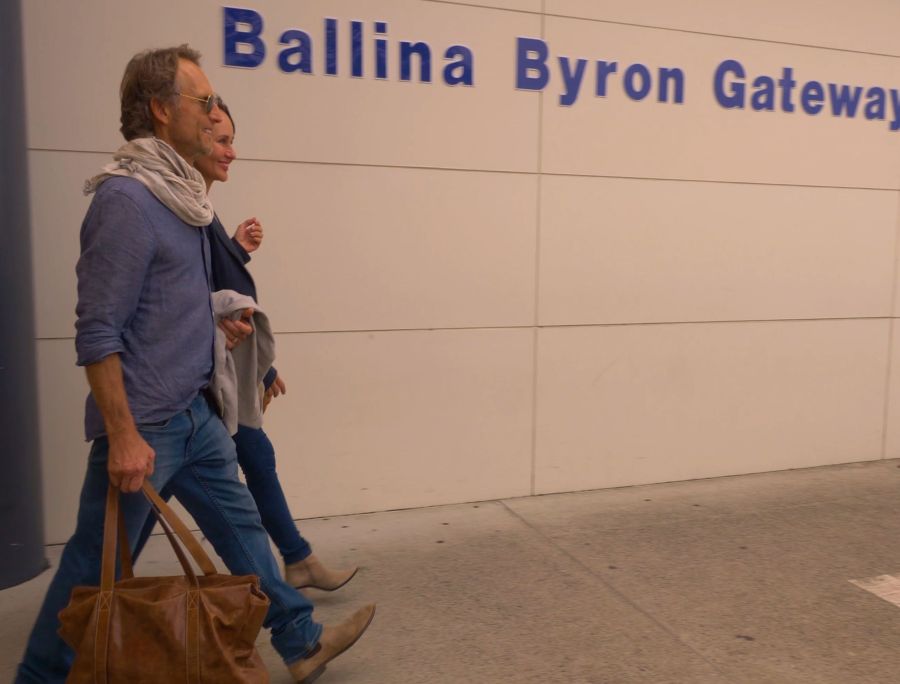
point(334, 641)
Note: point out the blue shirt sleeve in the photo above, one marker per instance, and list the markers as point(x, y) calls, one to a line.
point(117, 246)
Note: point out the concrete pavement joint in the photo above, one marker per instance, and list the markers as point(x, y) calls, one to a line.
point(617, 592)
point(885, 587)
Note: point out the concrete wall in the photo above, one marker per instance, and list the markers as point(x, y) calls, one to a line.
point(481, 293)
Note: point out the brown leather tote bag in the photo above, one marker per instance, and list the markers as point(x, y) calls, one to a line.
point(169, 630)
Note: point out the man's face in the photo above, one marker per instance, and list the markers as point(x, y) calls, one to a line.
point(190, 127)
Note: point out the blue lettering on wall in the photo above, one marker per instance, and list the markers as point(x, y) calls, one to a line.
point(604, 69)
point(531, 57)
point(356, 49)
point(571, 79)
point(734, 96)
point(423, 52)
point(875, 107)
point(331, 58)
point(812, 98)
point(299, 56)
point(640, 74)
point(787, 84)
point(461, 71)
point(770, 93)
point(763, 98)
point(244, 46)
point(243, 28)
point(381, 69)
point(533, 73)
point(669, 76)
point(844, 98)
point(895, 102)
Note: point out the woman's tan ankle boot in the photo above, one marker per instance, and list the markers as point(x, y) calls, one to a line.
point(310, 573)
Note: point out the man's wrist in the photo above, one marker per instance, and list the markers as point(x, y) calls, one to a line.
point(122, 431)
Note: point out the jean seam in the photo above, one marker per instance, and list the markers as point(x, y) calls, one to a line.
point(273, 597)
point(309, 649)
point(239, 538)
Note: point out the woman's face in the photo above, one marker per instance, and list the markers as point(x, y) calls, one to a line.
point(214, 166)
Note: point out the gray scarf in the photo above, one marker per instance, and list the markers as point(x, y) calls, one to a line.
point(166, 174)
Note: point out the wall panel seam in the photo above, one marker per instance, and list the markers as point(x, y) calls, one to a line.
point(890, 350)
point(672, 29)
point(514, 172)
point(557, 326)
point(535, 337)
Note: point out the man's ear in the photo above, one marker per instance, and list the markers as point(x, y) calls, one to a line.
point(162, 112)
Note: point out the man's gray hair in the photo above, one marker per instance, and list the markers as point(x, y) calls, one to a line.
point(150, 74)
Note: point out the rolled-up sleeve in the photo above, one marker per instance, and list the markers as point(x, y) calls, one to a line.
point(117, 246)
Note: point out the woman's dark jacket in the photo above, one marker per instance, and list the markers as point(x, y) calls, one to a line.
point(229, 270)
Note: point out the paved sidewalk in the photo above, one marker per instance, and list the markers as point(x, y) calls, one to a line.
point(724, 581)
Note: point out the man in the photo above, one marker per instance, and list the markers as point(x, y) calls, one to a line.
point(145, 335)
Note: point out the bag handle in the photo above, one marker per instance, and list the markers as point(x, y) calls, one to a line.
point(176, 547)
point(169, 521)
point(114, 530)
point(166, 515)
point(125, 559)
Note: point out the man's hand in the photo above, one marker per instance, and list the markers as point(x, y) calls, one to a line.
point(249, 234)
point(236, 331)
point(277, 388)
point(130, 460)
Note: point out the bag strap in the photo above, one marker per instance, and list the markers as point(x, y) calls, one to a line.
point(168, 520)
point(125, 561)
point(165, 513)
point(114, 531)
point(176, 547)
point(111, 522)
point(107, 579)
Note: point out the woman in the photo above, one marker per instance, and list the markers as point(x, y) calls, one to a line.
point(255, 454)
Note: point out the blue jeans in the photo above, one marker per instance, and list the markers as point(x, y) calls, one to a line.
point(196, 460)
point(256, 456)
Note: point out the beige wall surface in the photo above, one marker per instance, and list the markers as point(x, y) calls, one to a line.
point(698, 139)
point(479, 291)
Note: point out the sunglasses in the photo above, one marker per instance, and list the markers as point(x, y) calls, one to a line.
point(209, 101)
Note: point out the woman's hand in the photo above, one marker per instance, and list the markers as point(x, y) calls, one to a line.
point(249, 234)
point(277, 388)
